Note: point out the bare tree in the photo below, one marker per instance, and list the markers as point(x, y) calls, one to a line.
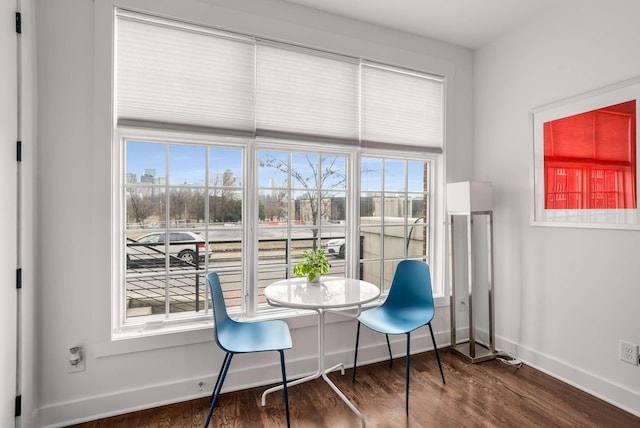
point(138, 208)
point(178, 203)
point(316, 182)
point(273, 205)
point(223, 205)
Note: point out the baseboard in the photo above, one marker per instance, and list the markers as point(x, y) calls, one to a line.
point(603, 389)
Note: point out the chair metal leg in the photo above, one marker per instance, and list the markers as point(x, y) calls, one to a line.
point(435, 348)
point(355, 358)
point(406, 406)
point(216, 392)
point(284, 387)
point(224, 362)
point(389, 348)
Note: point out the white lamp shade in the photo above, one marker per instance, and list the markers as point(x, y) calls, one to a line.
point(469, 197)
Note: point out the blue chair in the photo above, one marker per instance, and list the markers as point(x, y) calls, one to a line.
point(408, 306)
point(241, 337)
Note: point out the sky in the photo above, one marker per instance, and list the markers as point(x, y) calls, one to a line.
point(188, 166)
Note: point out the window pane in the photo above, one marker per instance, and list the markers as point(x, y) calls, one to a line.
point(144, 207)
point(394, 208)
point(389, 270)
point(394, 242)
point(333, 208)
point(370, 239)
point(417, 241)
point(370, 207)
point(225, 167)
point(145, 296)
point(394, 176)
point(186, 165)
point(417, 176)
point(305, 207)
point(146, 162)
point(231, 283)
point(273, 206)
point(187, 292)
point(334, 172)
point(371, 174)
point(269, 276)
point(273, 246)
point(337, 269)
point(225, 207)
point(334, 243)
point(186, 207)
point(304, 171)
point(225, 246)
point(371, 272)
point(302, 239)
point(274, 169)
point(417, 207)
point(145, 252)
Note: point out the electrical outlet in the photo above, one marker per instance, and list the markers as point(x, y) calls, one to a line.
point(629, 352)
point(75, 360)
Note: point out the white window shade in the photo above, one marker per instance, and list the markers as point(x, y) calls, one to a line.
point(401, 108)
point(301, 94)
point(173, 75)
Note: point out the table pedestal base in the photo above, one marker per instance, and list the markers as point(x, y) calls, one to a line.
point(321, 372)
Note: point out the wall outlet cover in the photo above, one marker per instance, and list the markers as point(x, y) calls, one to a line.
point(629, 352)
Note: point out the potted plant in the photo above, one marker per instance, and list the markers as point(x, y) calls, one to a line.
point(313, 264)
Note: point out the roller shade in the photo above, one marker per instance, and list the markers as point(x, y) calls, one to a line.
point(399, 107)
point(182, 75)
point(175, 75)
point(306, 94)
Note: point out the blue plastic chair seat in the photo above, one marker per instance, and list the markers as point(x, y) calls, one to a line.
point(240, 337)
point(389, 320)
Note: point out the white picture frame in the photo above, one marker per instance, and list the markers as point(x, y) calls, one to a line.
point(542, 213)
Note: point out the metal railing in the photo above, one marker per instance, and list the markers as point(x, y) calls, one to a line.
point(155, 277)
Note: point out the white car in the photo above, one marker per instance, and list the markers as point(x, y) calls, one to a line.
point(150, 248)
point(335, 247)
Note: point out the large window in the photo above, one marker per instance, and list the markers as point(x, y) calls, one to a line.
point(234, 155)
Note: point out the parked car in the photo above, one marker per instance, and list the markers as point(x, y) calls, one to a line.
point(335, 247)
point(150, 249)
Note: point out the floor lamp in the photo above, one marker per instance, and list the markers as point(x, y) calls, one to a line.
point(471, 202)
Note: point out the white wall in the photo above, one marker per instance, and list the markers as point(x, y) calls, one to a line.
point(73, 184)
point(564, 296)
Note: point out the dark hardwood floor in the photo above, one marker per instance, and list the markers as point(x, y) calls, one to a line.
point(489, 394)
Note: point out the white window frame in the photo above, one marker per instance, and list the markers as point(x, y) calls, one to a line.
point(144, 325)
